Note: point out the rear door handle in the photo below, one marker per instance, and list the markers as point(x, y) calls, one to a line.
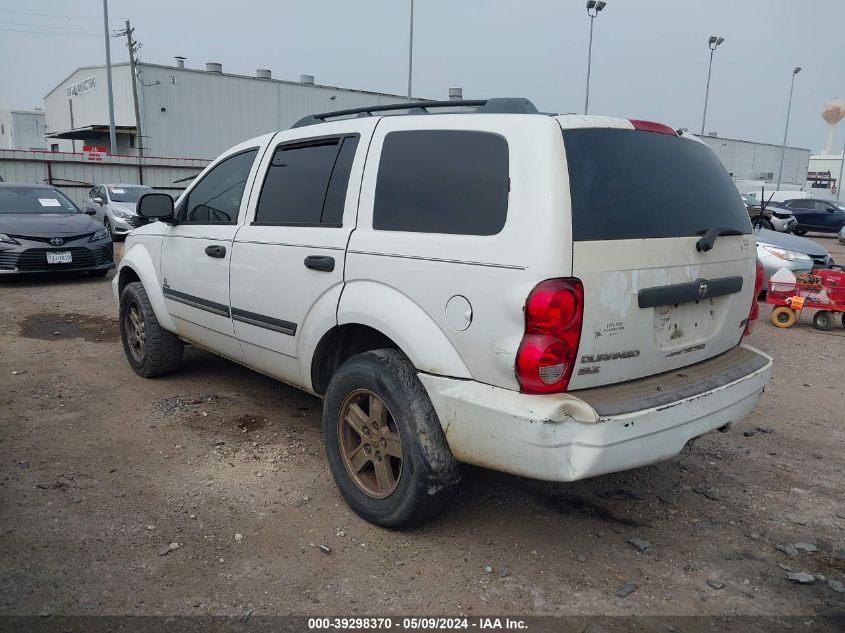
point(320, 262)
point(215, 250)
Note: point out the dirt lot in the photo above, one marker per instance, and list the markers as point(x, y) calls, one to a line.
point(103, 470)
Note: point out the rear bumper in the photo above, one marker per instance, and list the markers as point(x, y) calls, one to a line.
point(565, 437)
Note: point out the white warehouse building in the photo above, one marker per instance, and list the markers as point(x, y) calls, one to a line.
point(752, 162)
point(186, 112)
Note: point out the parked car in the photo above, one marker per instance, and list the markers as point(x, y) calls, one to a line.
point(41, 230)
point(515, 290)
point(777, 250)
point(115, 207)
point(822, 216)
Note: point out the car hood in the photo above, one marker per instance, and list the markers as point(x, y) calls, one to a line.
point(47, 224)
point(128, 207)
point(790, 242)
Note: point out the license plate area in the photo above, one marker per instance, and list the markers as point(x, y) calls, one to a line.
point(60, 257)
point(683, 324)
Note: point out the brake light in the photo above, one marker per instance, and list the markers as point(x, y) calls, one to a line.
point(553, 315)
point(651, 126)
point(755, 309)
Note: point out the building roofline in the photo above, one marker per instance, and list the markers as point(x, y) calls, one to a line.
point(73, 72)
point(742, 140)
point(205, 72)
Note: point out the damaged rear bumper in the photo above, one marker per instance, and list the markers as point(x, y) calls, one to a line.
point(571, 436)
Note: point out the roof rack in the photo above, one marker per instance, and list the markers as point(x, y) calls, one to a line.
point(497, 105)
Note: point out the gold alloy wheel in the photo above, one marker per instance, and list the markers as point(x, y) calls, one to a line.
point(369, 442)
point(135, 334)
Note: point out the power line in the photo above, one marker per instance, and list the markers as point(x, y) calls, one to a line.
point(53, 33)
point(51, 15)
point(41, 26)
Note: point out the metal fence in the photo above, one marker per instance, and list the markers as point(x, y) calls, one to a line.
point(73, 175)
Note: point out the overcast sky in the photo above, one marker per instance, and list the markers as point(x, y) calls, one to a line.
point(649, 57)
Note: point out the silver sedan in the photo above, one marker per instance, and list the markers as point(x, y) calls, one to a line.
point(114, 206)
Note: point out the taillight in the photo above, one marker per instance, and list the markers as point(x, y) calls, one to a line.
point(651, 126)
point(548, 351)
point(755, 309)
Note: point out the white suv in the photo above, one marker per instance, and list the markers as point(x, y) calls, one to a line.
point(551, 296)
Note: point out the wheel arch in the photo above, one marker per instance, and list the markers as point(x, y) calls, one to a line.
point(137, 265)
point(398, 323)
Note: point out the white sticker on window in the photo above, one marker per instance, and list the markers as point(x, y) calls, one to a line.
point(49, 202)
point(118, 190)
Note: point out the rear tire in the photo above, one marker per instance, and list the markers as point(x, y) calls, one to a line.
point(823, 320)
point(375, 402)
point(783, 317)
point(150, 349)
point(765, 224)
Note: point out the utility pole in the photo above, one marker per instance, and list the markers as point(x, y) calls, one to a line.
point(795, 71)
point(112, 135)
point(713, 42)
point(132, 45)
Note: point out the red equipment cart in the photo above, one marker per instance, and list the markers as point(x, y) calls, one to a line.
point(822, 290)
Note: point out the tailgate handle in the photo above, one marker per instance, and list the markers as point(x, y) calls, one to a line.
point(688, 292)
point(320, 262)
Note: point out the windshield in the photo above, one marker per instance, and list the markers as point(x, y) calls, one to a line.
point(127, 194)
point(34, 200)
point(631, 184)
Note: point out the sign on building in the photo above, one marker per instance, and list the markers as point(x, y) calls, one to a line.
point(94, 153)
point(81, 86)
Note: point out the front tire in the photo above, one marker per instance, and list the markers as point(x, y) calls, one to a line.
point(783, 317)
point(799, 231)
point(150, 349)
point(384, 443)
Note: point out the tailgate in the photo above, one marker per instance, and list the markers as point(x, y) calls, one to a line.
point(640, 202)
point(675, 308)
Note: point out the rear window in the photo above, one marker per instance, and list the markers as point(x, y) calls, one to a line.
point(629, 184)
point(442, 181)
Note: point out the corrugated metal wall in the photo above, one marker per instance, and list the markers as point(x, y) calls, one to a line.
point(195, 113)
point(74, 176)
point(746, 160)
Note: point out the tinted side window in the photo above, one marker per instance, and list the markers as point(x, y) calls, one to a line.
point(801, 204)
point(306, 183)
point(217, 197)
point(442, 181)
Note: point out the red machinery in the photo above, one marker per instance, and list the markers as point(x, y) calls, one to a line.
point(822, 290)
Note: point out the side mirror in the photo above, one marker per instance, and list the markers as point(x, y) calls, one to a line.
point(90, 212)
point(831, 209)
point(158, 206)
point(97, 200)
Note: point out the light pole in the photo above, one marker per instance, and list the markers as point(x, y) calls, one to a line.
point(593, 8)
point(411, 51)
point(112, 138)
point(795, 71)
point(713, 42)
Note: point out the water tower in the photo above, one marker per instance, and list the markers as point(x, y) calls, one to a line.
point(832, 112)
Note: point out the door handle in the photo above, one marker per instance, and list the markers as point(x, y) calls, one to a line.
point(215, 251)
point(320, 262)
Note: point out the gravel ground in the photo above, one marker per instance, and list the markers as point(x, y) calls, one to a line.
point(103, 471)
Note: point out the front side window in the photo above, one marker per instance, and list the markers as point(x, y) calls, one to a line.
point(306, 183)
point(217, 197)
point(442, 181)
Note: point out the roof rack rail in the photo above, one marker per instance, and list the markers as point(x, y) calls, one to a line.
point(497, 105)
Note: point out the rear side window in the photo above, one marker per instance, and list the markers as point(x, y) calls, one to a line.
point(442, 181)
point(630, 184)
point(306, 183)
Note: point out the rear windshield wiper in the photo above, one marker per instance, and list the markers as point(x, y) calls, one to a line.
point(706, 243)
